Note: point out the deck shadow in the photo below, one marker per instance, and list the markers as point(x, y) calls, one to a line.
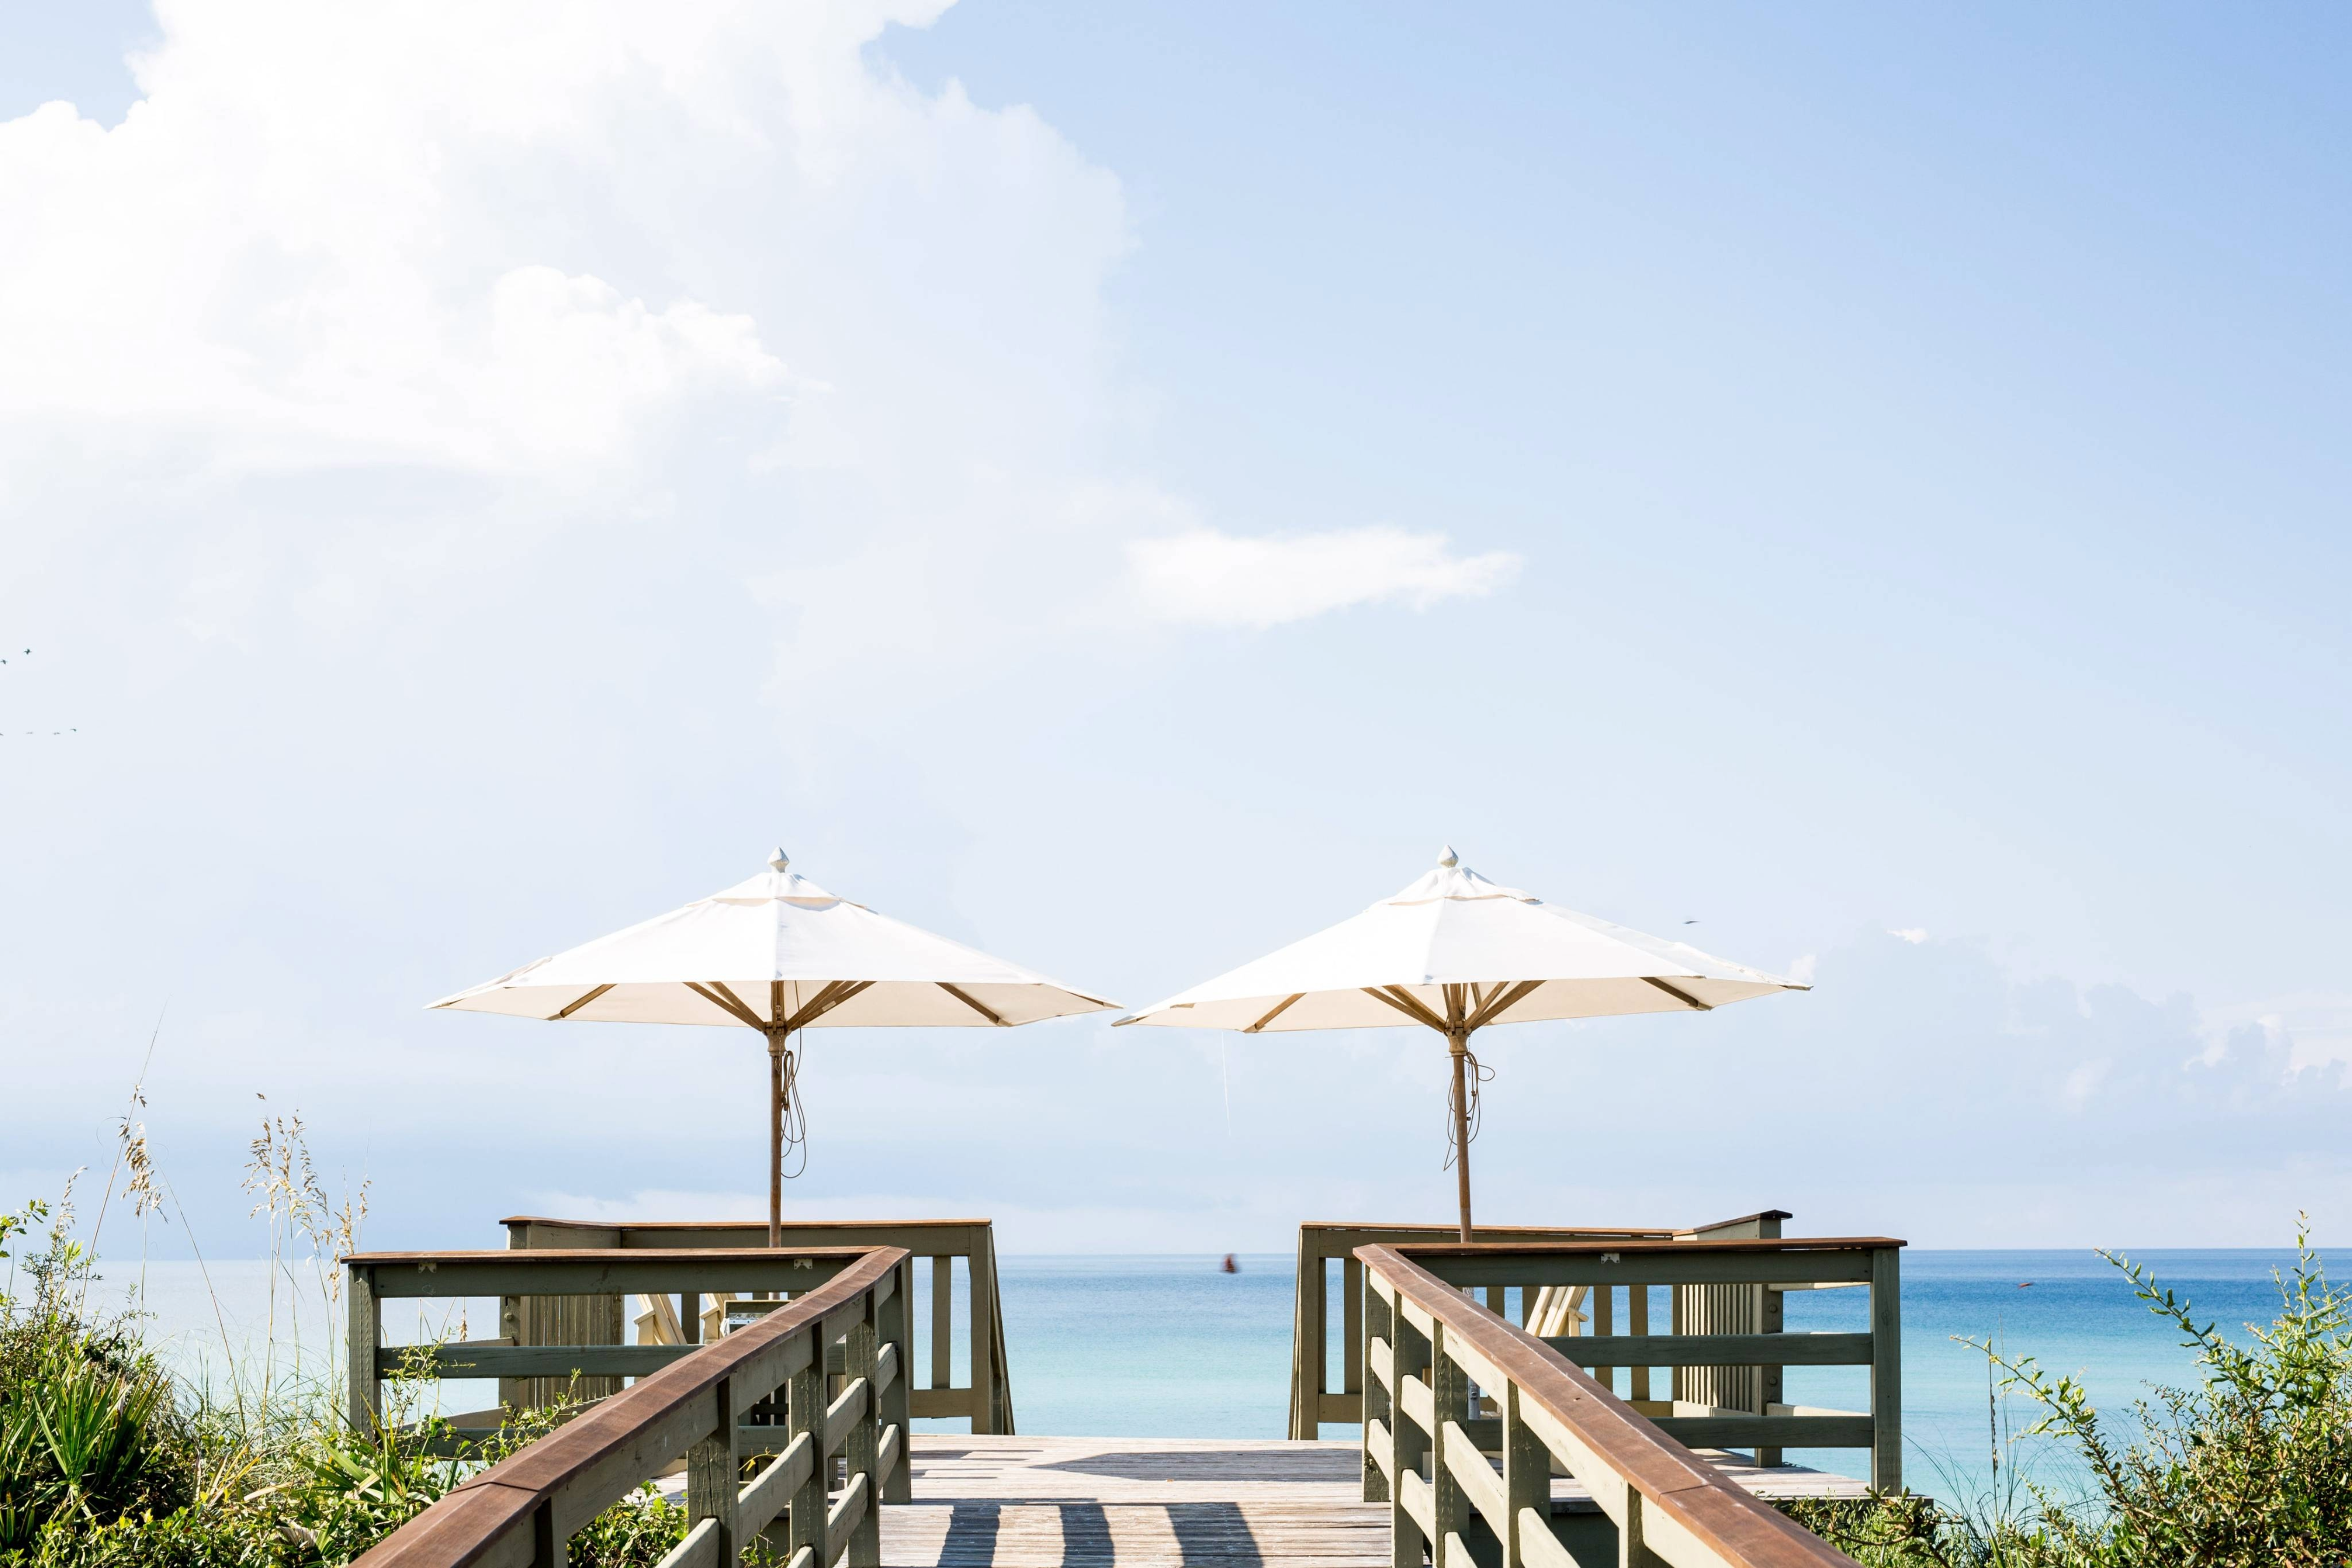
point(1208, 1534)
point(1302, 1466)
point(1214, 1535)
point(1086, 1536)
point(972, 1535)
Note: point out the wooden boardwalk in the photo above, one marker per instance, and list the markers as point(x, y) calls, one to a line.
point(1157, 1503)
point(832, 1348)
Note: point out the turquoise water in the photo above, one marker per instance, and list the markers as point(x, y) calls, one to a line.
point(1168, 1346)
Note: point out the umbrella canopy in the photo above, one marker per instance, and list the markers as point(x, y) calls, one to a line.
point(1455, 952)
point(776, 953)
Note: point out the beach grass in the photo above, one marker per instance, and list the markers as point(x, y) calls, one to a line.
point(108, 1457)
point(2248, 1462)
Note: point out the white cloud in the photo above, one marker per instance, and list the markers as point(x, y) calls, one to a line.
point(706, 270)
point(2319, 1022)
point(278, 294)
point(1210, 578)
point(1914, 935)
point(529, 240)
point(451, 436)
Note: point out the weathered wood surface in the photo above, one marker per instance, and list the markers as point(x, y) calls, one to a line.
point(1573, 1277)
point(1663, 1499)
point(478, 1272)
point(1324, 1243)
point(521, 1510)
point(1156, 1502)
point(988, 1404)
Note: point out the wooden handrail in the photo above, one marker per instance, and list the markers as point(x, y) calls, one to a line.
point(798, 1225)
point(986, 1398)
point(520, 1511)
point(1315, 1399)
point(1579, 1248)
point(1667, 1504)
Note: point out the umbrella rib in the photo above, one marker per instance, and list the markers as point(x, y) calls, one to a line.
point(832, 997)
point(571, 1007)
point(725, 1000)
point(961, 995)
point(1405, 1002)
point(1685, 997)
point(821, 1002)
point(1503, 1003)
point(1277, 1012)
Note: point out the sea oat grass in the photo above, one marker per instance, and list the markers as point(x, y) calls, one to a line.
point(108, 1459)
point(2250, 1465)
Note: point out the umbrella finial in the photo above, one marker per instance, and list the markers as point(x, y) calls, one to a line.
point(1446, 857)
point(778, 861)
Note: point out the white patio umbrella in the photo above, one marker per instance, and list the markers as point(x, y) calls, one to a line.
point(776, 953)
point(1455, 952)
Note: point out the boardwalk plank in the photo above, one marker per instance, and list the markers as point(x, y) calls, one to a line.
point(983, 1502)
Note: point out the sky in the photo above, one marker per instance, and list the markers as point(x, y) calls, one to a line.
point(1122, 487)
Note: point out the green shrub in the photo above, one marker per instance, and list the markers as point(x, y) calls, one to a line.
point(89, 1427)
point(2252, 1465)
point(107, 1460)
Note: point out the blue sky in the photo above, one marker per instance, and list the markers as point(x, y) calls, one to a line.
point(1121, 488)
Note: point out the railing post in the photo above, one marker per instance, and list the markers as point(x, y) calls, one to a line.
point(547, 1548)
point(898, 1329)
point(1351, 1333)
point(863, 1447)
point(1885, 1370)
point(1309, 1351)
point(1771, 1312)
point(983, 1336)
point(1632, 1551)
point(514, 1393)
point(1527, 1478)
point(710, 1477)
point(1378, 1405)
point(1449, 1511)
point(1770, 1317)
point(1408, 1444)
point(1604, 1305)
point(362, 1336)
point(805, 1412)
point(942, 1323)
point(1637, 1321)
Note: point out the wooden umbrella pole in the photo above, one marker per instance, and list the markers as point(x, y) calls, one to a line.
point(775, 1138)
point(1458, 1046)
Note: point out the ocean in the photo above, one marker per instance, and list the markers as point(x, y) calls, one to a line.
point(1170, 1346)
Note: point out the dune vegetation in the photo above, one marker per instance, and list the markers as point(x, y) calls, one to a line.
point(107, 1457)
point(2248, 1462)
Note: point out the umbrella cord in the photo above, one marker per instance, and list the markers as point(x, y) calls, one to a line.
point(1474, 1073)
point(795, 1114)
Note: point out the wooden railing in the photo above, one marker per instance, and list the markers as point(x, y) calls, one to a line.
point(1437, 1360)
point(1761, 1269)
point(590, 1372)
point(1326, 1250)
point(986, 1399)
point(524, 1509)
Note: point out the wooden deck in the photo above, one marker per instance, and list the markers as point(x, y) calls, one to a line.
point(1156, 1502)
